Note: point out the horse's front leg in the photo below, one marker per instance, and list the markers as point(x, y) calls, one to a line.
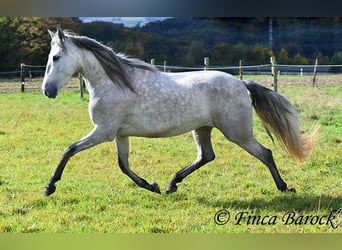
point(205, 154)
point(122, 145)
point(96, 137)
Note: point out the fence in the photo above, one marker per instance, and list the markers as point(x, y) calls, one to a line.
point(272, 69)
point(29, 79)
point(30, 76)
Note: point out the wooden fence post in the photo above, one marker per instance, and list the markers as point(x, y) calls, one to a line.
point(314, 83)
point(22, 76)
point(165, 66)
point(206, 63)
point(240, 67)
point(274, 73)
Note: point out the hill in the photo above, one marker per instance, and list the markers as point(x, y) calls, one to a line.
point(184, 41)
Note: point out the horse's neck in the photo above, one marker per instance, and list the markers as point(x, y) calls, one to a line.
point(95, 74)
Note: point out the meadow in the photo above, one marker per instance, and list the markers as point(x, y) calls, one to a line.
point(95, 196)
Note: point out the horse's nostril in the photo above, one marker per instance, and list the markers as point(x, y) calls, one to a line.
point(50, 92)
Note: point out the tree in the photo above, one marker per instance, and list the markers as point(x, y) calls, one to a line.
point(300, 60)
point(241, 52)
point(34, 38)
point(9, 45)
point(283, 57)
point(136, 50)
point(291, 48)
point(195, 54)
point(156, 47)
point(323, 60)
point(260, 54)
point(222, 54)
point(26, 40)
point(103, 31)
point(336, 60)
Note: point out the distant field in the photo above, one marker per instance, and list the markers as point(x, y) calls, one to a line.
point(95, 196)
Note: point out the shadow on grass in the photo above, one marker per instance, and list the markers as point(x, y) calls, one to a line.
point(286, 202)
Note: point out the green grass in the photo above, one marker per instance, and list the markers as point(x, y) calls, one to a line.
point(95, 196)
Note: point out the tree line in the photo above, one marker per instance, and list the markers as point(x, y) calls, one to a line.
point(183, 41)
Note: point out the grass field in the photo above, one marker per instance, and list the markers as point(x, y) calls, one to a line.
point(95, 196)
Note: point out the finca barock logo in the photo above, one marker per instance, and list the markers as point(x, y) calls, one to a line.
point(223, 216)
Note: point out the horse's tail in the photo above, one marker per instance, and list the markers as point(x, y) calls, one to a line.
point(280, 117)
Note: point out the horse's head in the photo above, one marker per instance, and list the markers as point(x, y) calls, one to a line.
point(63, 62)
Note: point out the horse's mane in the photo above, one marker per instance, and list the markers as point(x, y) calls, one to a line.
point(112, 63)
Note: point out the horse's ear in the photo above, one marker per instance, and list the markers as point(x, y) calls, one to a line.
point(52, 35)
point(60, 34)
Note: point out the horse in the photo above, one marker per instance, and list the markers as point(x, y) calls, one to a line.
point(128, 97)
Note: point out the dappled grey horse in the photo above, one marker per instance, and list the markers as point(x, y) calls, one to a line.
point(129, 97)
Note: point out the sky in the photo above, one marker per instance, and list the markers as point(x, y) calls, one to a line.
point(126, 21)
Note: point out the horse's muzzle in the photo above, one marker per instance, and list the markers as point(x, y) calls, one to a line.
point(50, 92)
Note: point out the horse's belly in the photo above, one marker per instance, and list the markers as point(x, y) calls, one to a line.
point(164, 124)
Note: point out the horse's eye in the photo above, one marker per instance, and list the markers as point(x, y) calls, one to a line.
point(55, 58)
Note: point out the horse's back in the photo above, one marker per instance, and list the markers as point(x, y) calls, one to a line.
point(226, 96)
point(202, 77)
point(219, 87)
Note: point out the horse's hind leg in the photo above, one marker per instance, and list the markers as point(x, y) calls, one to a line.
point(122, 145)
point(265, 155)
point(248, 142)
point(205, 154)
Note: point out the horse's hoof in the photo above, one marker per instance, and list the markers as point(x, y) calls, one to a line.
point(155, 187)
point(171, 189)
point(291, 190)
point(49, 189)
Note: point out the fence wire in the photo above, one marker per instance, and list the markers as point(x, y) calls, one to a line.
point(10, 80)
point(262, 69)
